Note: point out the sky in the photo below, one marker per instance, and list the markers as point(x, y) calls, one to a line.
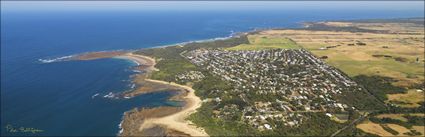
point(205, 5)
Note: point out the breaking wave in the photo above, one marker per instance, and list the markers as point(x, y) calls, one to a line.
point(231, 35)
point(64, 58)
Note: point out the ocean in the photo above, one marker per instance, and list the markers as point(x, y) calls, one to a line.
point(60, 97)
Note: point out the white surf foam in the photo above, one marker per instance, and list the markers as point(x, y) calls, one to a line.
point(137, 71)
point(110, 95)
point(97, 94)
point(64, 58)
point(231, 35)
point(120, 125)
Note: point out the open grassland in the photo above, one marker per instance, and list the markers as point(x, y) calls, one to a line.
point(399, 116)
point(393, 116)
point(340, 118)
point(410, 99)
point(259, 42)
point(420, 129)
point(391, 27)
point(396, 124)
point(373, 128)
point(400, 129)
point(399, 56)
point(386, 129)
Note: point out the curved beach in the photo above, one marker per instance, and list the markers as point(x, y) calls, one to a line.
point(140, 59)
point(176, 121)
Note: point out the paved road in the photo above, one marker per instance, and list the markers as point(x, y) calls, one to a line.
point(361, 118)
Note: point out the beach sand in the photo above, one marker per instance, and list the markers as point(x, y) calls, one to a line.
point(146, 61)
point(177, 121)
point(146, 64)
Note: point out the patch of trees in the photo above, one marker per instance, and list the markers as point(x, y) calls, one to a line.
point(415, 120)
point(399, 59)
point(413, 133)
point(418, 86)
point(316, 124)
point(400, 110)
point(211, 86)
point(361, 100)
point(205, 118)
point(169, 68)
point(411, 121)
point(324, 27)
point(390, 121)
point(388, 129)
point(396, 109)
point(361, 43)
point(379, 86)
point(237, 101)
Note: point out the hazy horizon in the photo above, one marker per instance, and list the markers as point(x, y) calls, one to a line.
point(207, 5)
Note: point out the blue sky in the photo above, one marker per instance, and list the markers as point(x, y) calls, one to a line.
point(205, 5)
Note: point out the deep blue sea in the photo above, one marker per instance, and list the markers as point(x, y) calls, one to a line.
point(57, 97)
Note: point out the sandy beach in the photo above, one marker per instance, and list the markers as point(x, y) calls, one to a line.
point(176, 121)
point(141, 60)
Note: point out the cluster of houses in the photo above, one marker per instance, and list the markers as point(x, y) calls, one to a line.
point(276, 84)
point(189, 76)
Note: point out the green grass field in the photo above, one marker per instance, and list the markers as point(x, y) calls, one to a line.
point(262, 42)
point(406, 71)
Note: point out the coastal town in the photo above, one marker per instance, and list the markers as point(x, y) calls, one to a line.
point(274, 87)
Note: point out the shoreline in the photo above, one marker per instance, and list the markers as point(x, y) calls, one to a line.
point(140, 60)
point(200, 41)
point(175, 121)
